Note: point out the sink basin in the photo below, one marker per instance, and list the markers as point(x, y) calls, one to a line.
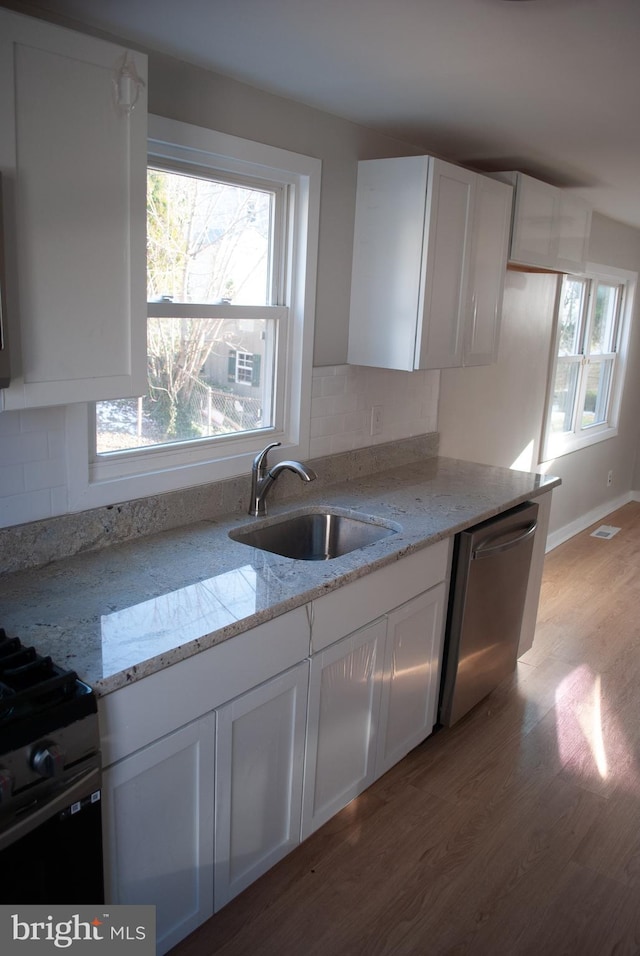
point(317, 535)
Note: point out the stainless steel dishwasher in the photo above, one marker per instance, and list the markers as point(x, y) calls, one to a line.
point(490, 576)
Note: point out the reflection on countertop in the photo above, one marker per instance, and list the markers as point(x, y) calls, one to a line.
point(143, 630)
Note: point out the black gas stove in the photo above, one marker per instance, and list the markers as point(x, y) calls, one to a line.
point(49, 778)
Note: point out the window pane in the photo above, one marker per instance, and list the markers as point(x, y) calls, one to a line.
point(572, 301)
point(564, 396)
point(207, 377)
point(604, 318)
point(207, 241)
point(596, 402)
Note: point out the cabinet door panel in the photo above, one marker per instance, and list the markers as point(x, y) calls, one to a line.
point(344, 694)
point(573, 230)
point(415, 634)
point(489, 249)
point(439, 339)
point(78, 218)
point(259, 766)
point(533, 239)
point(159, 830)
point(387, 255)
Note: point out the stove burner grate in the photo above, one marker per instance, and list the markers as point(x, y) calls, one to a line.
point(31, 684)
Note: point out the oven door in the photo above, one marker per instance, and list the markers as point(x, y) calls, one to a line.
point(53, 852)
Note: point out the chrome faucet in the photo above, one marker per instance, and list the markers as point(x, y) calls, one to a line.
point(261, 479)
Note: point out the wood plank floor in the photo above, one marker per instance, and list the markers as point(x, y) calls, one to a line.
point(515, 832)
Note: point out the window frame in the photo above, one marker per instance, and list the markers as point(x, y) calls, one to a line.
point(556, 444)
point(137, 473)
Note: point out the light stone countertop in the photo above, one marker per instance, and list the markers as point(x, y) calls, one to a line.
point(129, 610)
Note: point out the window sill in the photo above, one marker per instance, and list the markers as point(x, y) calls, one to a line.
point(566, 446)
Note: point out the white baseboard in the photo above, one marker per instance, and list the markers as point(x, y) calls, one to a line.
point(591, 517)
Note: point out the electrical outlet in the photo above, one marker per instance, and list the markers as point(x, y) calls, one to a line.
point(609, 479)
point(375, 427)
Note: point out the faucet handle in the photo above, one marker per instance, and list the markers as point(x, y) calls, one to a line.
point(260, 461)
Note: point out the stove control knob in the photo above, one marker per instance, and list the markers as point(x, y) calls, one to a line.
point(6, 785)
point(47, 759)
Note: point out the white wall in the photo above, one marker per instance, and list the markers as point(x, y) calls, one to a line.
point(494, 415)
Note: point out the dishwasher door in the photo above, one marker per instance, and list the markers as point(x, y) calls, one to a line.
point(491, 574)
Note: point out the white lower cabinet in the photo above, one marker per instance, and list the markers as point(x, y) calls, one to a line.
point(259, 767)
point(411, 676)
point(158, 806)
point(373, 692)
point(195, 816)
point(344, 698)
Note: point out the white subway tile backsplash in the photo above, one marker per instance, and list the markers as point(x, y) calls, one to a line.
point(333, 386)
point(33, 479)
point(32, 446)
point(325, 426)
point(18, 509)
point(42, 419)
point(322, 446)
point(45, 474)
point(342, 398)
point(324, 406)
point(328, 371)
point(59, 500)
point(11, 480)
point(9, 423)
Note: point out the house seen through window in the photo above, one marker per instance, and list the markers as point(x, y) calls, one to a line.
point(214, 249)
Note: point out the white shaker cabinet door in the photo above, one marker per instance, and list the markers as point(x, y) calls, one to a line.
point(534, 223)
point(489, 251)
point(415, 634)
point(259, 767)
point(74, 162)
point(344, 697)
point(445, 268)
point(158, 824)
point(387, 261)
point(573, 216)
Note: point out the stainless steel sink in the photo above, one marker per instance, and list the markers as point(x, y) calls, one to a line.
point(315, 535)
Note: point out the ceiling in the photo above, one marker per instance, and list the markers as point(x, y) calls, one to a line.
point(550, 87)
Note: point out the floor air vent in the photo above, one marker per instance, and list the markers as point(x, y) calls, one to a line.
point(604, 531)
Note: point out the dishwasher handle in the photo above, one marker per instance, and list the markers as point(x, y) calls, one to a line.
point(488, 550)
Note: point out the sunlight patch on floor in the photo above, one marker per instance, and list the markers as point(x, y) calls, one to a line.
point(579, 718)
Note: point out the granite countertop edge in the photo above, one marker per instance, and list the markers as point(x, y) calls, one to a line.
point(70, 608)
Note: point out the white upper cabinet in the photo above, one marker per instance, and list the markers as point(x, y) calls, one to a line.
point(430, 252)
point(551, 227)
point(73, 159)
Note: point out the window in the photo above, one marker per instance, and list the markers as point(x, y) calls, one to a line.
point(231, 262)
point(586, 370)
point(244, 369)
point(213, 249)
